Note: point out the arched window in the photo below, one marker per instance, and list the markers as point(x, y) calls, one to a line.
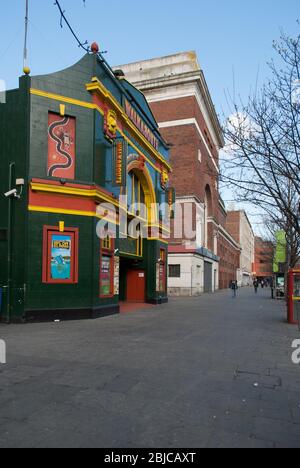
point(136, 195)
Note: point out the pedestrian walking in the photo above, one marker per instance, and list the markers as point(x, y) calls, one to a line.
point(234, 288)
point(255, 284)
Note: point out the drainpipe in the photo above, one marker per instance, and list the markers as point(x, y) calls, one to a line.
point(9, 245)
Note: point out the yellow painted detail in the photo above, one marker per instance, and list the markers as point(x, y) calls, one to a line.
point(97, 86)
point(158, 240)
point(95, 194)
point(62, 110)
point(61, 226)
point(90, 214)
point(59, 97)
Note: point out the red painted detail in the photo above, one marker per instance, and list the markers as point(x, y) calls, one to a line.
point(61, 146)
point(290, 301)
point(48, 232)
point(136, 286)
point(47, 200)
point(95, 48)
point(72, 185)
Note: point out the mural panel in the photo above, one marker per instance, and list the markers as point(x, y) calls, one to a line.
point(61, 146)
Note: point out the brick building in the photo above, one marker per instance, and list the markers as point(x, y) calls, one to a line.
point(179, 97)
point(239, 226)
point(229, 251)
point(264, 258)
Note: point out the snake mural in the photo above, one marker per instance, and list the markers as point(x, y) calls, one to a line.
point(60, 135)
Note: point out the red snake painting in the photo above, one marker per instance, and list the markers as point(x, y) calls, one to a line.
point(63, 142)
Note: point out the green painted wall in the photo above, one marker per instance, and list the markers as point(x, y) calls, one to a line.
point(23, 140)
point(14, 133)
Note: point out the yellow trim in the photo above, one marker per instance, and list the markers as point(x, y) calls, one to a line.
point(158, 240)
point(62, 110)
point(98, 195)
point(106, 243)
point(76, 102)
point(295, 298)
point(61, 226)
point(88, 193)
point(157, 169)
point(159, 226)
point(130, 254)
point(89, 214)
point(59, 97)
point(97, 86)
point(148, 188)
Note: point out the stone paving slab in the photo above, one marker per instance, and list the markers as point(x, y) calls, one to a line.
point(199, 372)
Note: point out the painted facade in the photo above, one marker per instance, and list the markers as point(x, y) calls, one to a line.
point(80, 139)
point(179, 97)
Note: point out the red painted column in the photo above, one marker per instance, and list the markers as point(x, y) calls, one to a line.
point(290, 302)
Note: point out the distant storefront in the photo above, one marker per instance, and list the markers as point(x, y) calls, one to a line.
point(84, 154)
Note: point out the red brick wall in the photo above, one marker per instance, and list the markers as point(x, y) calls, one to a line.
point(264, 254)
point(191, 177)
point(233, 224)
point(180, 109)
point(229, 263)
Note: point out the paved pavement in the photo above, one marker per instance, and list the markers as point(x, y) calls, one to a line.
point(199, 372)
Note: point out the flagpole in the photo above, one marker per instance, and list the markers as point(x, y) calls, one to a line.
point(25, 54)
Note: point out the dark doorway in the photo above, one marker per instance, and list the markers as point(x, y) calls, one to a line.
point(208, 277)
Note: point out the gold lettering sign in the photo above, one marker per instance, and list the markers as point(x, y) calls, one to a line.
point(61, 245)
point(119, 163)
point(140, 124)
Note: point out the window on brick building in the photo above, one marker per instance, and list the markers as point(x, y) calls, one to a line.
point(199, 155)
point(174, 271)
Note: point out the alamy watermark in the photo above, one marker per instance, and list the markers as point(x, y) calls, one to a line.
point(296, 353)
point(145, 221)
point(2, 92)
point(2, 352)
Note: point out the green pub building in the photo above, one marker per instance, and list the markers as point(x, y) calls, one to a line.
point(82, 161)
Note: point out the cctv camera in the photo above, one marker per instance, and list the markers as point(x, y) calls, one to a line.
point(11, 193)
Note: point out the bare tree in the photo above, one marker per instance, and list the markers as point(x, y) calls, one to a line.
point(275, 224)
point(263, 142)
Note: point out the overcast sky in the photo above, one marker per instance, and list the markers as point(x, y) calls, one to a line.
point(233, 38)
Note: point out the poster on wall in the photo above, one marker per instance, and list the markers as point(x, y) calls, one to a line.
point(61, 146)
point(105, 289)
point(61, 256)
point(117, 276)
point(161, 277)
point(157, 277)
